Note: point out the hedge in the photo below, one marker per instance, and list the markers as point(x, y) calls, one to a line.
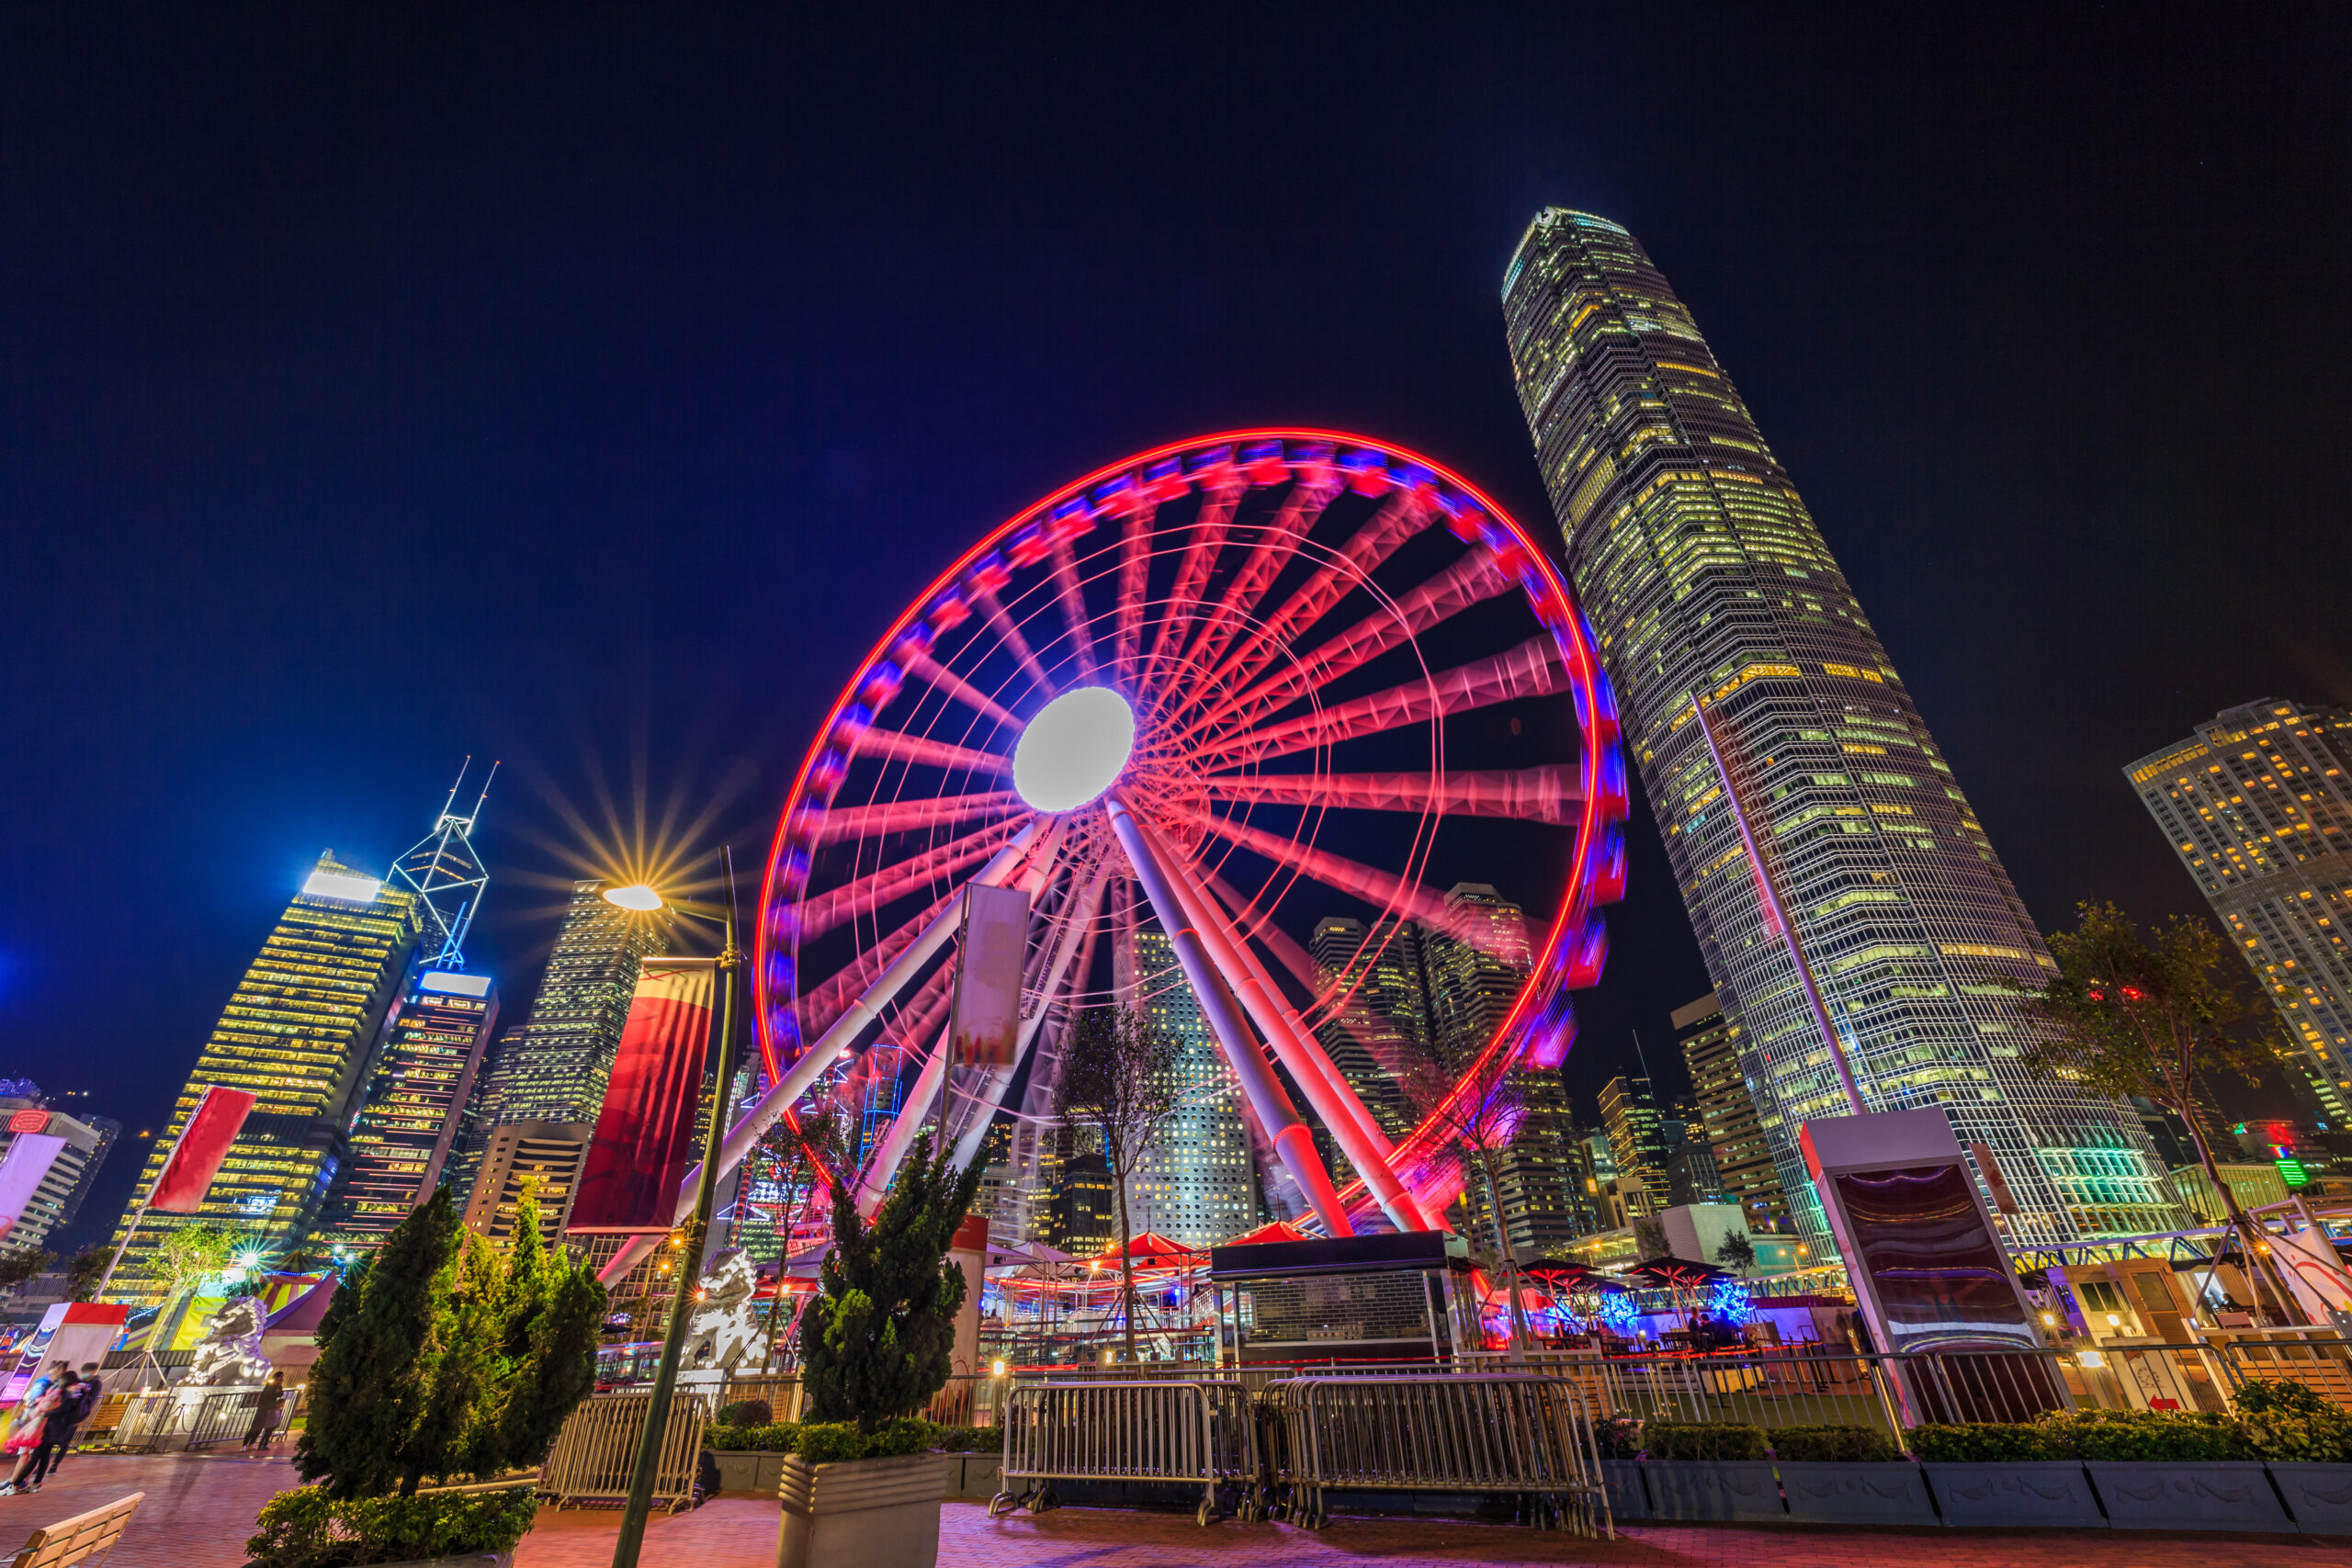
point(1834, 1445)
point(1703, 1439)
point(307, 1528)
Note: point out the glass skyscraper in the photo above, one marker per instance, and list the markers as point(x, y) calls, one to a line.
point(2257, 805)
point(1707, 581)
point(298, 1033)
point(1198, 1184)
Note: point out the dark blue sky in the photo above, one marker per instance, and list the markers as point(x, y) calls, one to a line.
point(589, 390)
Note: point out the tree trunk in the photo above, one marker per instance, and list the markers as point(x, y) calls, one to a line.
point(1128, 1268)
point(2257, 1266)
point(1503, 1253)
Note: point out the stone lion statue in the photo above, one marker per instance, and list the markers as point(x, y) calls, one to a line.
point(230, 1354)
point(724, 1328)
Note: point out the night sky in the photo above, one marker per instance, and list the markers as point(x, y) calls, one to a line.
point(590, 390)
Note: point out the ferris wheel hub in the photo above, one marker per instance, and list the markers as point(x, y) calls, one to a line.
point(1074, 749)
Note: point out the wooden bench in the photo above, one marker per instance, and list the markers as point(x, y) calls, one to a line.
point(79, 1538)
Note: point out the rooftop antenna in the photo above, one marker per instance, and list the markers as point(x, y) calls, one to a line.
point(447, 877)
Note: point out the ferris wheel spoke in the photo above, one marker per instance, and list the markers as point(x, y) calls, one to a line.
point(1018, 645)
point(1469, 582)
point(1531, 670)
point(1403, 515)
point(1292, 1140)
point(1353, 1016)
point(882, 1165)
point(878, 889)
point(897, 746)
point(1210, 531)
point(1135, 568)
point(1073, 602)
point(933, 672)
point(1271, 552)
point(911, 815)
point(1547, 795)
point(825, 1003)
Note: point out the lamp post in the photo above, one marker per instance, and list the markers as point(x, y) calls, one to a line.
point(646, 900)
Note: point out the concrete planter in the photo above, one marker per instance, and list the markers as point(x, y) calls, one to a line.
point(749, 1470)
point(1713, 1489)
point(479, 1560)
point(1627, 1500)
point(2319, 1495)
point(1857, 1493)
point(878, 1512)
point(2016, 1494)
point(973, 1476)
point(2220, 1494)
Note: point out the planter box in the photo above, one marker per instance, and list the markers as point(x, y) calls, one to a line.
point(973, 1475)
point(2229, 1494)
point(1627, 1500)
point(749, 1470)
point(1713, 1489)
point(2319, 1495)
point(1859, 1493)
point(2016, 1494)
point(878, 1512)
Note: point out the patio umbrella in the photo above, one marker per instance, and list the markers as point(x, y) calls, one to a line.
point(1573, 1278)
point(1674, 1273)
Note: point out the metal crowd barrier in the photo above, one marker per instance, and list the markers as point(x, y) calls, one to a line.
point(596, 1451)
point(1446, 1432)
point(1183, 1433)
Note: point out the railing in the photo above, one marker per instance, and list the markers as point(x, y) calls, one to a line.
point(1180, 1433)
point(596, 1451)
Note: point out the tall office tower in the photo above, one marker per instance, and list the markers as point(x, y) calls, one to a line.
point(1198, 1184)
point(298, 1033)
point(1538, 1178)
point(1706, 579)
point(1392, 1021)
point(547, 1153)
point(410, 1117)
point(2257, 805)
point(1636, 1142)
point(57, 1198)
point(1728, 1122)
point(555, 1067)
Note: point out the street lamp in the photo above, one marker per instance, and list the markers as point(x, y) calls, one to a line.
point(640, 899)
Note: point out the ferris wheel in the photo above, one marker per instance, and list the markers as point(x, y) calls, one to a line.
point(1225, 688)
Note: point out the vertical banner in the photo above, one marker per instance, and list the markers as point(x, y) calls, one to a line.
point(989, 955)
point(28, 1159)
point(195, 1159)
point(644, 1138)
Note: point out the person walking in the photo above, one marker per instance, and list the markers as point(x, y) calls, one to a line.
point(93, 1390)
point(48, 1424)
point(269, 1399)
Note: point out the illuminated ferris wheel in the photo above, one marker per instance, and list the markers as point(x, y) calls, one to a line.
point(1228, 686)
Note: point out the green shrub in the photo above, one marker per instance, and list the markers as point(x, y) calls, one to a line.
point(2167, 1436)
point(1834, 1445)
point(834, 1442)
point(2266, 1396)
point(307, 1528)
point(768, 1438)
point(1703, 1439)
point(1987, 1442)
point(967, 1440)
point(747, 1413)
point(1619, 1436)
point(2322, 1439)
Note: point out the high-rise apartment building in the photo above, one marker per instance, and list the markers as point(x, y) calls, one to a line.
point(299, 1034)
point(1538, 1177)
point(1391, 1016)
point(1708, 583)
point(2257, 805)
point(1729, 1123)
point(1629, 1114)
point(409, 1117)
point(1198, 1184)
point(545, 1154)
point(1472, 986)
point(57, 1199)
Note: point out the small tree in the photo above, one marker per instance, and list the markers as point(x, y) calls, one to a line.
point(1737, 1252)
point(1477, 1116)
point(2129, 1014)
point(1649, 1237)
point(1118, 1076)
point(21, 1264)
point(880, 1340)
point(82, 1272)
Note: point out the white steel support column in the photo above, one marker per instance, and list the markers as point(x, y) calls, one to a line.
point(1292, 1143)
point(1321, 1081)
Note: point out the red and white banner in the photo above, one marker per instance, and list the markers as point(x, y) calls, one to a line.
point(28, 1159)
point(195, 1159)
point(644, 1138)
point(986, 1022)
point(75, 1332)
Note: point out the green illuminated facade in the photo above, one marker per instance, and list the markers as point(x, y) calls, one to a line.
point(299, 1034)
point(1706, 578)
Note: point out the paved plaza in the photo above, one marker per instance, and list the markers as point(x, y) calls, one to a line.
point(200, 1509)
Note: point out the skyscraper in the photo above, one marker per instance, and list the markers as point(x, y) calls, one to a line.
point(57, 1199)
point(1473, 986)
point(1707, 580)
point(1636, 1144)
point(1197, 1185)
point(1728, 1119)
point(2257, 805)
point(1391, 1012)
point(1539, 1178)
point(298, 1033)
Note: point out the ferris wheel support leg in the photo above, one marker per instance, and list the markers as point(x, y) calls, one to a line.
point(763, 1112)
point(1292, 1143)
point(1316, 1077)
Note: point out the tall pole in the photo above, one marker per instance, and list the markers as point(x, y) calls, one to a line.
point(1775, 915)
point(665, 1378)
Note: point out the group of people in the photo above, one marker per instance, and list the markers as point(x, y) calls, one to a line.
point(53, 1407)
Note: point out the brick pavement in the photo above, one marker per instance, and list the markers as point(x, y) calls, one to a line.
point(200, 1509)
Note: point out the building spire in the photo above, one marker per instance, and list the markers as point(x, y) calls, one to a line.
point(447, 877)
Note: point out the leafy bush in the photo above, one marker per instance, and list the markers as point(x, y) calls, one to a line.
point(747, 1413)
point(1834, 1445)
point(774, 1438)
point(307, 1528)
point(1620, 1435)
point(1703, 1439)
point(2266, 1396)
point(2173, 1437)
point(967, 1440)
point(835, 1442)
point(1988, 1442)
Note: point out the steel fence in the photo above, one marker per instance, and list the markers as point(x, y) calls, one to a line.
point(596, 1451)
point(1184, 1433)
point(1519, 1433)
